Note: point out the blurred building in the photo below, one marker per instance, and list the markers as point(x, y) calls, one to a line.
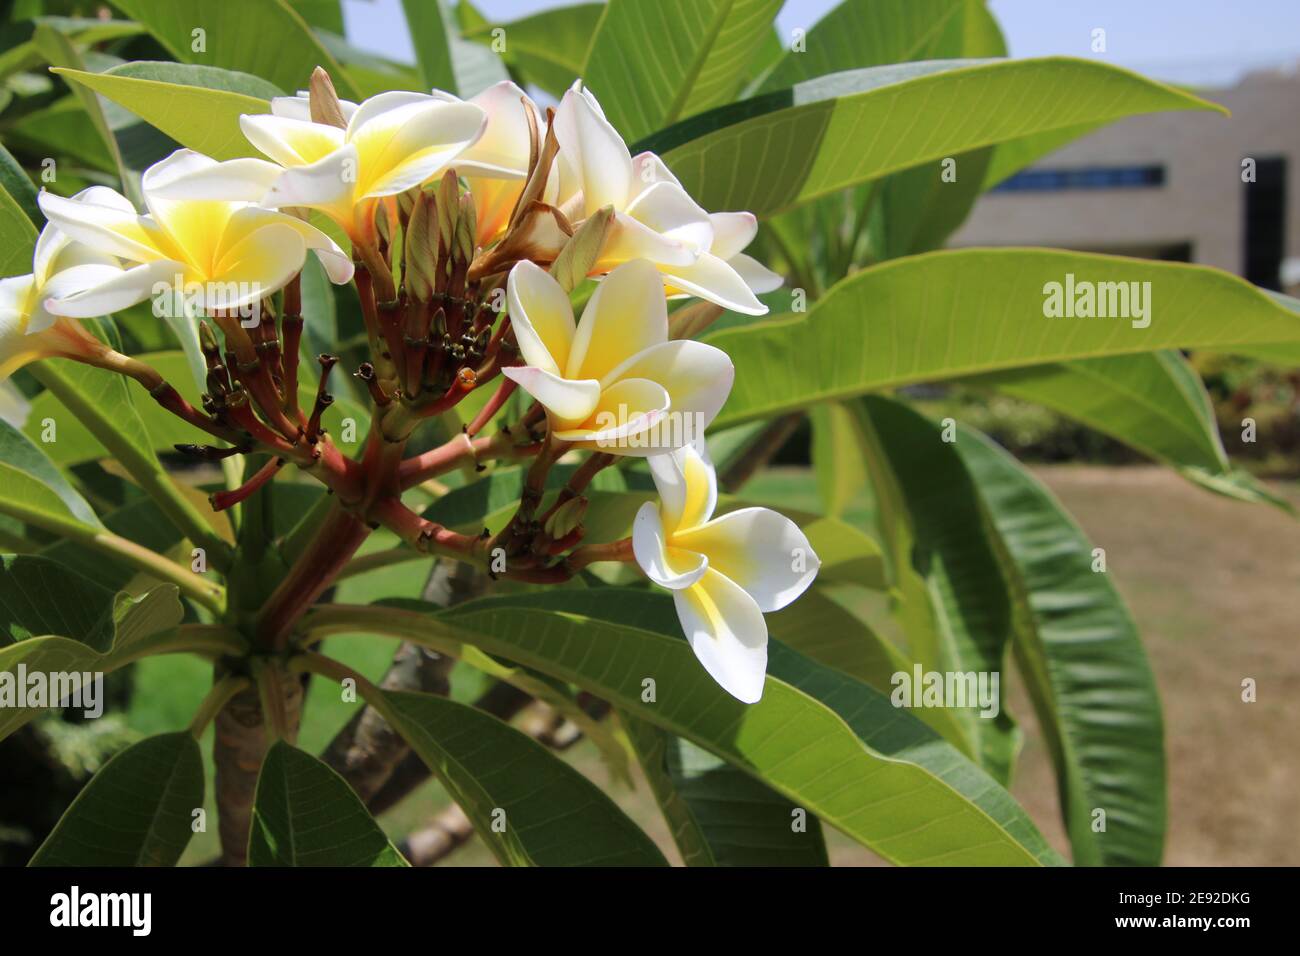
point(1169, 186)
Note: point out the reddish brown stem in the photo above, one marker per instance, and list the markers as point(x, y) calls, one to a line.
point(340, 534)
point(221, 500)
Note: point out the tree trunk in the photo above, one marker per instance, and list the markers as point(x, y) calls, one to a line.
point(241, 743)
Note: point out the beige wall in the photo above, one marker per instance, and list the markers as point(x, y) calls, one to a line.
point(1201, 202)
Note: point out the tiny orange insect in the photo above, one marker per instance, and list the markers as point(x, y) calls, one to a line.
point(467, 377)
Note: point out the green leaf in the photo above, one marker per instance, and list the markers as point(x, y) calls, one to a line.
point(199, 107)
point(719, 815)
point(861, 33)
point(135, 812)
point(34, 491)
point(39, 596)
point(448, 62)
point(1084, 666)
point(547, 48)
point(808, 141)
point(527, 805)
point(830, 744)
point(653, 63)
point(141, 626)
point(836, 458)
point(263, 37)
point(955, 314)
point(18, 187)
point(106, 395)
point(305, 814)
point(955, 607)
point(1155, 403)
point(17, 236)
point(822, 628)
point(429, 28)
point(59, 51)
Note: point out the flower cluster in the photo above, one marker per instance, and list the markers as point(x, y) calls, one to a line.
point(470, 225)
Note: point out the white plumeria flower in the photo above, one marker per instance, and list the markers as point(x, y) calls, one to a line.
point(611, 381)
point(392, 142)
point(724, 572)
point(228, 255)
point(732, 232)
point(496, 167)
point(60, 266)
point(654, 217)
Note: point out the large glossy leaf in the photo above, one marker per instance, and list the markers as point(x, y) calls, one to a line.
point(526, 804)
point(953, 314)
point(548, 48)
point(136, 811)
point(140, 626)
point(266, 38)
point(34, 481)
point(431, 36)
point(99, 400)
point(199, 107)
point(653, 63)
point(830, 744)
point(1154, 402)
point(827, 134)
point(1084, 666)
point(33, 491)
point(39, 596)
point(860, 33)
point(17, 236)
point(954, 604)
point(305, 814)
point(719, 815)
point(17, 186)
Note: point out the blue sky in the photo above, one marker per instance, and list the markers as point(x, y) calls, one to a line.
point(1205, 42)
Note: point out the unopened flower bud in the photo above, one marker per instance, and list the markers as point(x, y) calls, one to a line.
point(566, 517)
point(581, 251)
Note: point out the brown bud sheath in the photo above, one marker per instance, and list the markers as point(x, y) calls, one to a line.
point(323, 101)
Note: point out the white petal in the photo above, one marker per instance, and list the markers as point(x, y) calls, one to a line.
point(568, 400)
point(672, 571)
point(727, 632)
point(291, 142)
point(117, 290)
point(626, 315)
point(503, 149)
point(698, 378)
point(624, 420)
point(668, 210)
point(687, 484)
point(629, 239)
point(714, 281)
point(327, 185)
point(754, 274)
point(403, 146)
point(732, 232)
point(762, 551)
point(299, 107)
point(112, 229)
point(540, 315)
point(49, 244)
point(594, 152)
point(649, 168)
point(256, 262)
point(239, 180)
